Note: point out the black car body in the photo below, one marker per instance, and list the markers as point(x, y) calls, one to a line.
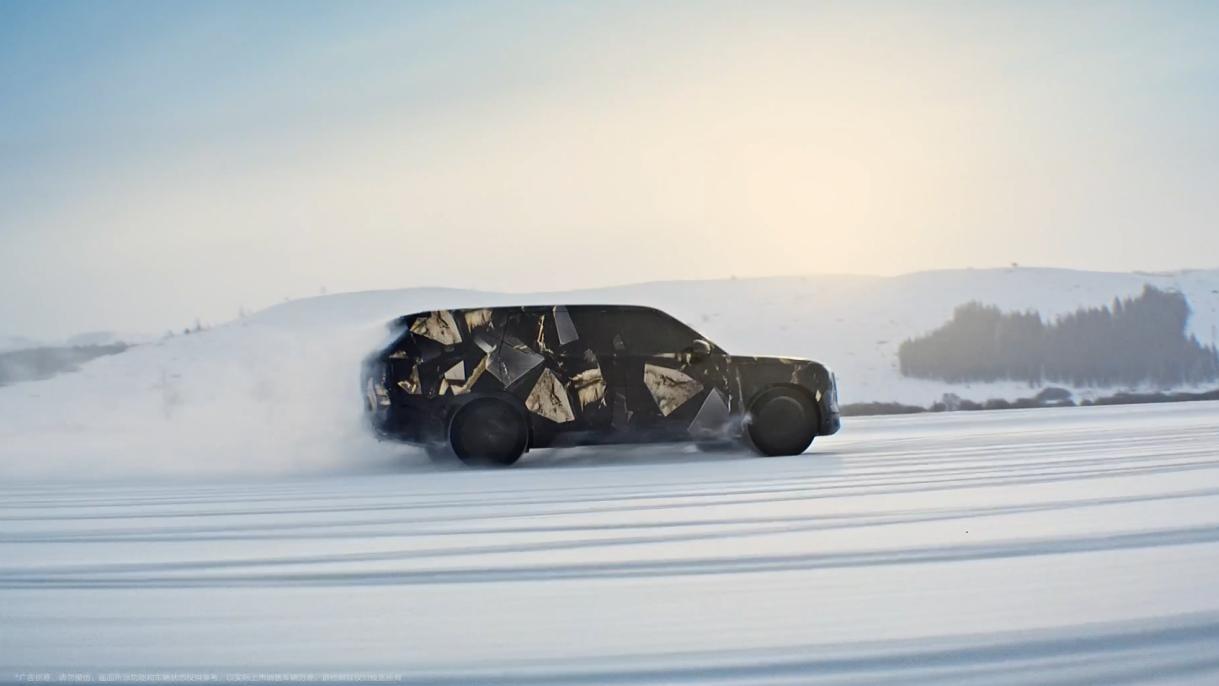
point(580, 374)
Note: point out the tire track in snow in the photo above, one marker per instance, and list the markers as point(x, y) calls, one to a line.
point(1068, 545)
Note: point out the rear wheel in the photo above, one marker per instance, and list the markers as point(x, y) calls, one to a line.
point(488, 432)
point(782, 421)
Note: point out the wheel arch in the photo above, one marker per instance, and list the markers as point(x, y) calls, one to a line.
point(458, 403)
point(788, 386)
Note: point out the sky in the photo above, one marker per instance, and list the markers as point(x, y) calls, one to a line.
point(162, 162)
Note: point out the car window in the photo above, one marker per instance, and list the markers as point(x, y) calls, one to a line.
point(595, 327)
point(650, 332)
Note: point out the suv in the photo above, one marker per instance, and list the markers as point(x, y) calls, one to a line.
point(488, 384)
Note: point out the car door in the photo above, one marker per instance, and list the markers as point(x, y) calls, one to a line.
point(578, 344)
point(672, 391)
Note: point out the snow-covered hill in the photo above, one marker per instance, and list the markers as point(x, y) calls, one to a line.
point(852, 323)
point(277, 390)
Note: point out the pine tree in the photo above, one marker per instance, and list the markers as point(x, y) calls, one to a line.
point(1130, 342)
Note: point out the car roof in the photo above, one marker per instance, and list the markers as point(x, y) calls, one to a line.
point(581, 306)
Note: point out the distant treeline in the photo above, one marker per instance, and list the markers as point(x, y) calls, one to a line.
point(1042, 399)
point(42, 363)
point(1134, 341)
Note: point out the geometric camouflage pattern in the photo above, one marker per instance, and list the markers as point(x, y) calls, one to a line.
point(582, 374)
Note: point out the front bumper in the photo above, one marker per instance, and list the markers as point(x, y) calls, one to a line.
point(831, 418)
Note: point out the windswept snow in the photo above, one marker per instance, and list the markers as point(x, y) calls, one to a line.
point(1075, 545)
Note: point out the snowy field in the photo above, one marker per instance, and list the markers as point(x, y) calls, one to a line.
point(1078, 545)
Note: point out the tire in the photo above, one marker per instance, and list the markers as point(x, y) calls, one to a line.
point(782, 421)
point(488, 432)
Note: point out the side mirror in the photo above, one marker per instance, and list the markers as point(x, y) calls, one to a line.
point(700, 349)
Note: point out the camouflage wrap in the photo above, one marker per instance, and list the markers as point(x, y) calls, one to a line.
point(579, 373)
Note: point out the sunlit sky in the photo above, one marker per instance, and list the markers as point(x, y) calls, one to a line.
point(166, 161)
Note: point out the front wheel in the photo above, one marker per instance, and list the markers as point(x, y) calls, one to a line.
point(782, 421)
point(488, 432)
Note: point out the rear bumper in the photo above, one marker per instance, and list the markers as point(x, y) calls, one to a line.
point(406, 424)
point(399, 419)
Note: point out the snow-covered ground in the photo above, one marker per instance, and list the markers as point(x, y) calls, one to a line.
point(277, 392)
point(212, 502)
point(1075, 545)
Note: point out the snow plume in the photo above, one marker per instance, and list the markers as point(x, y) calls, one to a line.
point(245, 398)
point(275, 393)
